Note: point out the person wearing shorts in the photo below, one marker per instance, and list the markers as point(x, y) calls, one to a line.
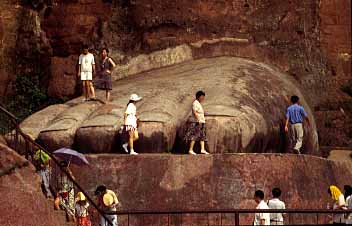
point(86, 70)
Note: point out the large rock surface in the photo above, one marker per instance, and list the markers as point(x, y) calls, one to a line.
point(183, 182)
point(245, 109)
point(22, 201)
point(311, 40)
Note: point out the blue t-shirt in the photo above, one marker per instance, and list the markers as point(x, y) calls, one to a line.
point(296, 114)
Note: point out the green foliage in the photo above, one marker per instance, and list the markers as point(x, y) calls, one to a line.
point(30, 97)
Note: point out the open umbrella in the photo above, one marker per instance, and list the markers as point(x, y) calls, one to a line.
point(71, 156)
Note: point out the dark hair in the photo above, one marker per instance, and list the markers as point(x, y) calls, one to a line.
point(199, 94)
point(106, 49)
point(85, 46)
point(259, 194)
point(294, 99)
point(131, 101)
point(329, 191)
point(64, 164)
point(276, 192)
point(100, 190)
point(348, 190)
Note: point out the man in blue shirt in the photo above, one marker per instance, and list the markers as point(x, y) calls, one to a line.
point(295, 115)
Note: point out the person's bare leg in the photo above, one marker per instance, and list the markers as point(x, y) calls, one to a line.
point(84, 90)
point(191, 148)
point(202, 148)
point(87, 90)
point(108, 95)
point(92, 91)
point(57, 203)
point(130, 142)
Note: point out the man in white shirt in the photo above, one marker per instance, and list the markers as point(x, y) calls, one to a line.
point(276, 203)
point(86, 70)
point(261, 218)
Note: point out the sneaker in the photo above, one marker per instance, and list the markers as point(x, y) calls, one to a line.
point(192, 153)
point(125, 147)
point(133, 152)
point(204, 152)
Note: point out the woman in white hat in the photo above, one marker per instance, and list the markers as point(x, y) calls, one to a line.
point(130, 123)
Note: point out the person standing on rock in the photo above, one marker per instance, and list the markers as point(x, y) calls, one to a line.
point(106, 68)
point(86, 70)
point(196, 125)
point(295, 115)
point(130, 123)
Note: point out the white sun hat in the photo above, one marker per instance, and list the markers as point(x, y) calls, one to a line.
point(135, 97)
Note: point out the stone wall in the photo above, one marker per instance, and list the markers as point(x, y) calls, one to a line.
point(22, 201)
point(183, 182)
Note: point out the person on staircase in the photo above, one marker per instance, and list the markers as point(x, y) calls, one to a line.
point(42, 160)
point(106, 67)
point(81, 210)
point(196, 125)
point(107, 200)
point(86, 70)
point(65, 198)
point(295, 116)
point(131, 123)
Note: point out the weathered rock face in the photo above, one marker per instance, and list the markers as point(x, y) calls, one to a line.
point(245, 108)
point(20, 193)
point(145, 35)
point(183, 182)
point(9, 12)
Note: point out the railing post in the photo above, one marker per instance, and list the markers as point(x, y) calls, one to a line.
point(237, 219)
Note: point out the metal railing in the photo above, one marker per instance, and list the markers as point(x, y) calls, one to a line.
point(223, 217)
point(26, 146)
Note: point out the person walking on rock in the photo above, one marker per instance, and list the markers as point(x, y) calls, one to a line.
point(261, 218)
point(106, 68)
point(130, 123)
point(295, 115)
point(86, 70)
point(196, 125)
point(81, 210)
point(276, 203)
point(108, 201)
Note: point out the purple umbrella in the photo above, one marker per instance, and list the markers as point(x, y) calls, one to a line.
point(71, 156)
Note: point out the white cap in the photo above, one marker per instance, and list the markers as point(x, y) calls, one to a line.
point(135, 97)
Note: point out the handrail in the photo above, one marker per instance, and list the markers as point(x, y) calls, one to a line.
point(161, 212)
point(30, 140)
